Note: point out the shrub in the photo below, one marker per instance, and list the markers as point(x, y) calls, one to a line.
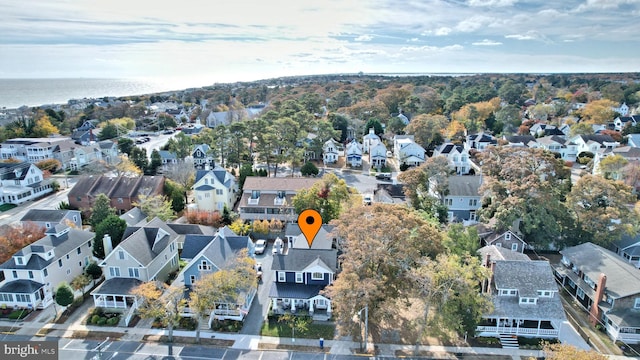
point(113, 321)
point(18, 314)
point(98, 311)
point(188, 323)
point(95, 319)
point(102, 321)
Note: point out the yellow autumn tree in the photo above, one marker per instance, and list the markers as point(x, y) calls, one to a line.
point(455, 130)
point(44, 127)
point(599, 111)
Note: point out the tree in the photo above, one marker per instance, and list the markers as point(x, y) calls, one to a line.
point(175, 193)
point(461, 240)
point(15, 237)
point(51, 165)
point(125, 145)
point(139, 158)
point(449, 285)
point(239, 227)
point(528, 185)
point(382, 243)
point(80, 282)
point(183, 173)
point(568, 352)
point(512, 92)
point(44, 128)
point(228, 286)
point(601, 208)
point(329, 196)
point(101, 210)
point(114, 227)
point(260, 226)
point(581, 128)
point(94, 271)
point(155, 206)
point(428, 129)
point(64, 295)
point(599, 111)
point(245, 170)
point(308, 169)
point(433, 172)
point(109, 131)
point(295, 322)
point(162, 302)
point(611, 167)
point(126, 167)
point(156, 162)
point(375, 125)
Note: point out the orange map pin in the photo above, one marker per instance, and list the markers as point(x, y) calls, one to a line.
point(310, 223)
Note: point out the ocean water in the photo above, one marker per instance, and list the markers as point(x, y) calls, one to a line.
point(35, 92)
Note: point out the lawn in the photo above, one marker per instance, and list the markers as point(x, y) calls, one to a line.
point(5, 207)
point(315, 331)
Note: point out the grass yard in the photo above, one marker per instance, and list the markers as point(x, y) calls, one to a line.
point(5, 207)
point(315, 331)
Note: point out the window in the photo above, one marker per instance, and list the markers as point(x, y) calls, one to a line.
point(514, 247)
point(23, 298)
point(473, 202)
point(114, 271)
point(30, 274)
point(472, 216)
point(299, 277)
point(45, 272)
point(19, 260)
point(47, 225)
point(89, 244)
point(255, 194)
point(75, 218)
point(544, 293)
point(121, 254)
point(524, 300)
point(6, 297)
point(120, 201)
point(281, 194)
point(207, 195)
point(174, 262)
point(282, 276)
point(15, 274)
point(172, 247)
point(507, 236)
point(79, 251)
point(192, 279)
point(448, 202)
point(218, 191)
point(134, 273)
point(2, 275)
point(636, 305)
point(580, 293)
point(204, 266)
point(67, 256)
point(499, 244)
point(317, 276)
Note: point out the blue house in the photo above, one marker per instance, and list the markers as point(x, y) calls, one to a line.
point(208, 254)
point(300, 276)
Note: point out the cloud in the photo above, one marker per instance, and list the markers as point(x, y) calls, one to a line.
point(364, 38)
point(529, 35)
point(605, 4)
point(493, 3)
point(486, 42)
point(431, 49)
point(413, 40)
point(474, 23)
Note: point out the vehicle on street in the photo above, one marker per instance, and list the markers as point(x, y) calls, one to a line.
point(383, 176)
point(260, 246)
point(367, 199)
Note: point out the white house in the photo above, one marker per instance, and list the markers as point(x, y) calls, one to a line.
point(592, 143)
point(623, 121)
point(30, 278)
point(407, 151)
point(21, 182)
point(457, 155)
point(330, 151)
point(214, 189)
point(370, 140)
point(353, 154)
point(568, 150)
point(378, 156)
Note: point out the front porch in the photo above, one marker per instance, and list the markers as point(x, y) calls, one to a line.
point(318, 307)
point(519, 327)
point(25, 294)
point(115, 293)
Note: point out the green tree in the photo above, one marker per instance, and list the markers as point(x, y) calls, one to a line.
point(139, 158)
point(416, 182)
point(329, 196)
point(461, 240)
point(101, 210)
point(175, 193)
point(428, 130)
point(125, 145)
point(94, 271)
point(155, 206)
point(507, 120)
point(375, 124)
point(112, 225)
point(245, 170)
point(295, 322)
point(611, 167)
point(308, 169)
point(109, 131)
point(64, 295)
point(512, 92)
point(341, 123)
point(156, 162)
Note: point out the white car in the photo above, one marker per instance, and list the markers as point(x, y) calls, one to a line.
point(367, 199)
point(260, 246)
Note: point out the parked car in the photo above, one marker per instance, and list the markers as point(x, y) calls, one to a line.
point(383, 176)
point(261, 245)
point(367, 199)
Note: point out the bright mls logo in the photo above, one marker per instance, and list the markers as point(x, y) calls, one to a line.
point(31, 350)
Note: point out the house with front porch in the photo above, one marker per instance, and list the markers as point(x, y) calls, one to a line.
point(31, 276)
point(605, 284)
point(299, 277)
point(370, 140)
point(49, 218)
point(146, 253)
point(525, 300)
point(378, 156)
point(216, 254)
point(214, 189)
point(330, 152)
point(353, 153)
point(407, 152)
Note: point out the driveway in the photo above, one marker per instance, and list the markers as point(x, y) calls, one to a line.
point(260, 306)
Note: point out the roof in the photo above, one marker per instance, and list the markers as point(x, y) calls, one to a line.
point(144, 243)
point(497, 253)
point(192, 229)
point(22, 286)
point(526, 276)
point(117, 286)
point(116, 187)
point(133, 216)
point(299, 259)
point(516, 139)
point(623, 279)
point(599, 138)
point(220, 174)
point(449, 148)
point(168, 155)
point(277, 184)
point(193, 244)
point(14, 171)
point(464, 185)
point(294, 291)
point(46, 215)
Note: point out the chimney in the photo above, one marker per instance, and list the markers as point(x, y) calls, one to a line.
point(493, 271)
point(372, 131)
point(594, 312)
point(486, 282)
point(106, 243)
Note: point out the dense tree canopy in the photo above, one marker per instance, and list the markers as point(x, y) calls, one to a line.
point(329, 196)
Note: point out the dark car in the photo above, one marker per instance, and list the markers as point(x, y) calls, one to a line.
point(383, 176)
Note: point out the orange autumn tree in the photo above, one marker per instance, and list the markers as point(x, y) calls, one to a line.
point(14, 238)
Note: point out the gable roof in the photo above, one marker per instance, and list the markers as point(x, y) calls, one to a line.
point(193, 245)
point(299, 259)
point(114, 187)
point(14, 171)
point(133, 216)
point(464, 185)
point(526, 276)
point(282, 184)
point(146, 242)
point(623, 279)
point(47, 215)
point(497, 253)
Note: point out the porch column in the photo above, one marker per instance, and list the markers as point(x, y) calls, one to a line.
point(311, 307)
point(293, 305)
point(539, 323)
point(274, 303)
point(329, 308)
point(517, 326)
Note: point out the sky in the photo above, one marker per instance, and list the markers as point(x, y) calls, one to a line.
point(243, 40)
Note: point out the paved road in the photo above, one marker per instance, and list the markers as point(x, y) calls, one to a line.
point(50, 202)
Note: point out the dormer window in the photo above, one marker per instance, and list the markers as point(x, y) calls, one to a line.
point(508, 292)
point(19, 260)
point(526, 300)
point(545, 293)
point(47, 225)
point(255, 194)
point(281, 194)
